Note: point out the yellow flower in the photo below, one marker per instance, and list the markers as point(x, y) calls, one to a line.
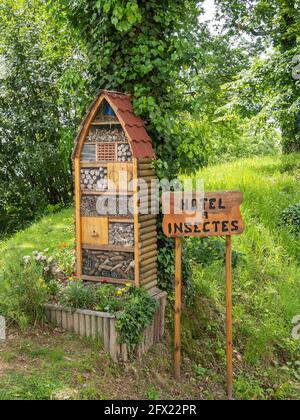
point(120, 292)
point(42, 283)
point(128, 284)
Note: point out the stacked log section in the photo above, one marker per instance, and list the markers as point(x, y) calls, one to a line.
point(108, 264)
point(124, 153)
point(93, 179)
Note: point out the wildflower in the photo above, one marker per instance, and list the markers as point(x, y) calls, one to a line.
point(35, 253)
point(120, 292)
point(42, 283)
point(26, 259)
point(50, 260)
point(46, 250)
point(46, 269)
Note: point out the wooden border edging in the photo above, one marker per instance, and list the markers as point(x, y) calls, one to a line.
point(103, 325)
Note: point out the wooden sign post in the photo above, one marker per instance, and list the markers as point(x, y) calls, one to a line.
point(209, 214)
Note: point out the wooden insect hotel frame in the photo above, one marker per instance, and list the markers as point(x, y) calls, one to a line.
point(113, 148)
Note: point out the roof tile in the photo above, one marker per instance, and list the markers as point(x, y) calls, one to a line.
point(142, 150)
point(130, 119)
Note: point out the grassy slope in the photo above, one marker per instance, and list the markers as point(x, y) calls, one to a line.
point(53, 231)
point(266, 282)
point(266, 298)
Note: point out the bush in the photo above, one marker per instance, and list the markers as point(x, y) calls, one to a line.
point(24, 293)
point(291, 218)
point(137, 314)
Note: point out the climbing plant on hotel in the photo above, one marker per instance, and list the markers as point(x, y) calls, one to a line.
point(147, 48)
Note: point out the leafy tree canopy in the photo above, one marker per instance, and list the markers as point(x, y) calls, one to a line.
point(149, 49)
point(38, 110)
point(271, 85)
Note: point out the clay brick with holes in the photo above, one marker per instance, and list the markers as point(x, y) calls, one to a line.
point(106, 152)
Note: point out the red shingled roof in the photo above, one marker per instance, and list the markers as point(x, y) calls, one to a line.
point(134, 126)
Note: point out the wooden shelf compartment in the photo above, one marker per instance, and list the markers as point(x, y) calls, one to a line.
point(116, 193)
point(103, 123)
point(106, 280)
point(110, 248)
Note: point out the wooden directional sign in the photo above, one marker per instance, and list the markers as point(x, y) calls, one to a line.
point(209, 214)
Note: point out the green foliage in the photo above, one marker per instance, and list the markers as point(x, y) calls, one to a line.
point(28, 387)
point(206, 251)
point(145, 48)
point(133, 307)
point(42, 67)
point(24, 293)
point(270, 88)
point(109, 298)
point(291, 218)
point(152, 394)
point(77, 295)
point(199, 371)
point(137, 314)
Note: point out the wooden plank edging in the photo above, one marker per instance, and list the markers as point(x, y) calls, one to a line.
point(94, 324)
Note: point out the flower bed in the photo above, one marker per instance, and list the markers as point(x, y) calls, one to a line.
point(128, 319)
point(103, 325)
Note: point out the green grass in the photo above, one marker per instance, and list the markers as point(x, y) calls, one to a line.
point(266, 298)
point(266, 281)
point(53, 231)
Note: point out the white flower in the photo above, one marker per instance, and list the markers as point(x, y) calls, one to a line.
point(50, 260)
point(26, 259)
point(46, 269)
point(46, 250)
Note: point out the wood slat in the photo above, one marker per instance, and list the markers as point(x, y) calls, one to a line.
point(106, 280)
point(147, 229)
point(146, 261)
point(111, 248)
point(150, 285)
point(149, 278)
point(149, 255)
point(146, 224)
point(148, 270)
point(146, 236)
point(145, 244)
point(144, 250)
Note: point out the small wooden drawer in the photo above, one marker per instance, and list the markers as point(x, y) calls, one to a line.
point(94, 230)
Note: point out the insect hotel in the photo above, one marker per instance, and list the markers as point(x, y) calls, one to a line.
point(115, 242)
point(116, 238)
